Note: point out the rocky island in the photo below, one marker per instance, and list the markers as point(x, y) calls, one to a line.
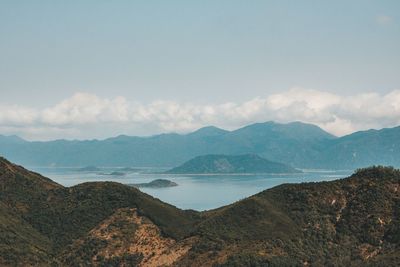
point(158, 183)
point(247, 163)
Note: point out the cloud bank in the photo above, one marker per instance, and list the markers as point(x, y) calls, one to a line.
point(89, 116)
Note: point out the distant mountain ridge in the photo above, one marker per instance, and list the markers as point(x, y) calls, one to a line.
point(363, 148)
point(348, 222)
point(209, 131)
point(11, 139)
point(299, 144)
point(219, 164)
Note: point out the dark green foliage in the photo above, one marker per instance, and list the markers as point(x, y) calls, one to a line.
point(20, 243)
point(51, 216)
point(347, 222)
point(253, 260)
point(251, 219)
point(324, 224)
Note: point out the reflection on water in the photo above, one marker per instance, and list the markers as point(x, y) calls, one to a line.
point(198, 192)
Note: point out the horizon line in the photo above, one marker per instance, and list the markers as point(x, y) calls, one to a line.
point(192, 132)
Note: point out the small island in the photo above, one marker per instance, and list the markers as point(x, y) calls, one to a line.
point(221, 164)
point(158, 183)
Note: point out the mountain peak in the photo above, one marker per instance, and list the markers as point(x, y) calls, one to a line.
point(297, 130)
point(11, 173)
point(209, 131)
point(12, 138)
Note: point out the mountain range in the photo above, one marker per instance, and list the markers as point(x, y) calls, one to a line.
point(349, 222)
point(297, 144)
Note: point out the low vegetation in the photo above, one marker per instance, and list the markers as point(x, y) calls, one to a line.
point(348, 222)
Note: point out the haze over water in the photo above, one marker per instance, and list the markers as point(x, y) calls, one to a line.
point(198, 192)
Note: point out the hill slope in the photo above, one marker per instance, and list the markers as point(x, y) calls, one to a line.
point(349, 222)
point(248, 163)
point(47, 217)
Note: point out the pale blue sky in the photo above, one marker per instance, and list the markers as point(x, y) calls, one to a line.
point(197, 53)
point(195, 50)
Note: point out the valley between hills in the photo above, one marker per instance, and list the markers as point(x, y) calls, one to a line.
point(348, 222)
point(200, 133)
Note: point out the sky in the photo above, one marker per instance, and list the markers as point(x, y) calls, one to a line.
point(95, 68)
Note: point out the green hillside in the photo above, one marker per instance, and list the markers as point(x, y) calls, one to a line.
point(60, 215)
point(347, 222)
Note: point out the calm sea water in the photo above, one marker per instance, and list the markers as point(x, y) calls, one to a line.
point(198, 192)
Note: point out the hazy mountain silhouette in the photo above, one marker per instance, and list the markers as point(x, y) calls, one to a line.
point(297, 144)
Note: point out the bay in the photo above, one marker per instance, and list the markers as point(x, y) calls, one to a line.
point(198, 192)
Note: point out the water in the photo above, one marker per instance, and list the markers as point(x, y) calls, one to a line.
point(198, 192)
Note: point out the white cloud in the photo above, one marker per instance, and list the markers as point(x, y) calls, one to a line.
point(383, 19)
point(87, 116)
point(84, 108)
point(16, 115)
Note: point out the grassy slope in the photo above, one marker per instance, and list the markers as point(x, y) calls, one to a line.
point(60, 215)
point(20, 242)
point(354, 221)
point(339, 223)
